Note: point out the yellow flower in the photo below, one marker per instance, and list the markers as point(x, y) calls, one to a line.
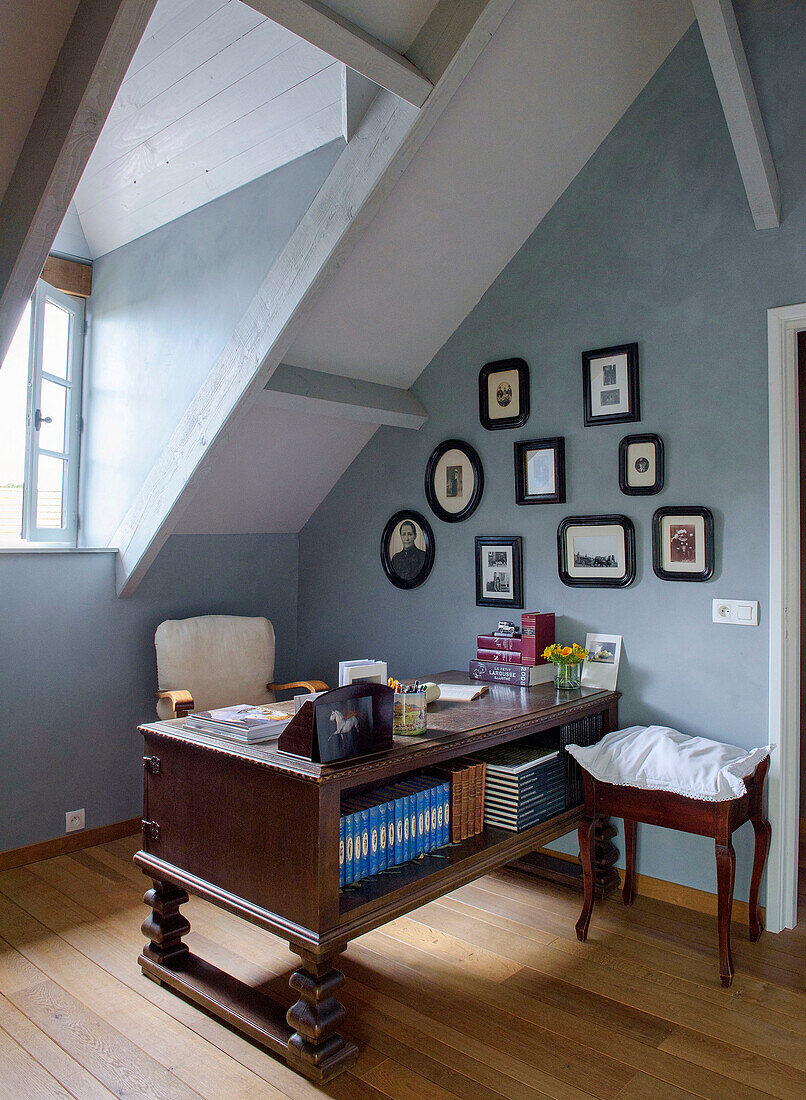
point(548, 652)
point(566, 651)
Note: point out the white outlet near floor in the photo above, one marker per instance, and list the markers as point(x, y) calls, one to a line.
point(735, 612)
point(73, 821)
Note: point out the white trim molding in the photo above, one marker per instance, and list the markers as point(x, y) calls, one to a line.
point(783, 325)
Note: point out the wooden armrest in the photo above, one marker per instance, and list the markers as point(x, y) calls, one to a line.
point(181, 701)
point(308, 685)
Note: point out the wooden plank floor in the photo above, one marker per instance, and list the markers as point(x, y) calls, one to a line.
point(485, 993)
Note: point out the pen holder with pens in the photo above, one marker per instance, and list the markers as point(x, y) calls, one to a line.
point(409, 715)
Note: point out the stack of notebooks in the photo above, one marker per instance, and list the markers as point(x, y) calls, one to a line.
point(241, 722)
point(516, 659)
point(525, 785)
point(466, 778)
point(384, 828)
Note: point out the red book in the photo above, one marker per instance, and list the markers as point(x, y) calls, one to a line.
point(537, 632)
point(499, 655)
point(491, 641)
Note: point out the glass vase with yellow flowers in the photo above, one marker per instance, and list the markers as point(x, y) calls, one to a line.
point(567, 661)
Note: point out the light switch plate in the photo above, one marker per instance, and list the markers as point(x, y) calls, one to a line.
point(735, 612)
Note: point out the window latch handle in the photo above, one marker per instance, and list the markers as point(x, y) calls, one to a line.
point(39, 419)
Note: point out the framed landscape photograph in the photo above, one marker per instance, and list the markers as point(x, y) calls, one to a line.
point(600, 667)
point(407, 549)
point(454, 481)
point(504, 394)
point(596, 551)
point(683, 544)
point(610, 385)
point(499, 571)
point(640, 465)
point(540, 471)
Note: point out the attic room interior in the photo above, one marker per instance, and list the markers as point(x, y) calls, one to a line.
point(336, 337)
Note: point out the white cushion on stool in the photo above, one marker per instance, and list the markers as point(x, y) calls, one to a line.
point(657, 758)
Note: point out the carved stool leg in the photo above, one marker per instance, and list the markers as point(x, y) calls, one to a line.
point(316, 1049)
point(586, 845)
point(166, 926)
point(605, 854)
point(763, 831)
point(630, 832)
point(725, 870)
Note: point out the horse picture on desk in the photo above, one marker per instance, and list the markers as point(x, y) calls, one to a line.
point(348, 721)
point(345, 731)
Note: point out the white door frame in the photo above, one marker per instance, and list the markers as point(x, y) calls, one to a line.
point(783, 325)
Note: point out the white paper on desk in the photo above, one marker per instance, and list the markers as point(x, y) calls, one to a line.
point(460, 693)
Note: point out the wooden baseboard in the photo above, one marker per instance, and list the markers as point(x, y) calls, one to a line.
point(73, 842)
point(687, 897)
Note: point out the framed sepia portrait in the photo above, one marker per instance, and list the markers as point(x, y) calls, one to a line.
point(499, 571)
point(596, 551)
point(504, 394)
point(640, 465)
point(407, 549)
point(540, 471)
point(454, 481)
point(683, 544)
point(610, 385)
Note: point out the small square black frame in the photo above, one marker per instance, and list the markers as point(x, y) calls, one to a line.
point(623, 451)
point(597, 521)
point(516, 543)
point(633, 395)
point(707, 572)
point(522, 447)
point(519, 365)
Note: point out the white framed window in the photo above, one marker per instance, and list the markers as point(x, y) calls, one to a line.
point(40, 422)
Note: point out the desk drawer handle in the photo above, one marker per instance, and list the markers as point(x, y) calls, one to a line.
point(152, 764)
point(151, 829)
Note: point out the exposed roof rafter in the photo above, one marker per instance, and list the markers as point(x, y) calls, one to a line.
point(89, 70)
point(343, 40)
point(723, 44)
point(383, 145)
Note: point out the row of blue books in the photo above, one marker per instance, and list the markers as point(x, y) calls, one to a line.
point(387, 827)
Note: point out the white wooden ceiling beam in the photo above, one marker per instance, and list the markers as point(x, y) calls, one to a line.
point(88, 72)
point(723, 44)
point(343, 40)
point(299, 389)
point(383, 145)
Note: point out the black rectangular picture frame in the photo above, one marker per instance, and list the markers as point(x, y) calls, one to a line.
point(522, 447)
point(516, 544)
point(707, 571)
point(597, 521)
point(624, 473)
point(633, 395)
point(522, 368)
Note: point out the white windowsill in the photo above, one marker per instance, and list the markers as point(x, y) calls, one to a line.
point(55, 548)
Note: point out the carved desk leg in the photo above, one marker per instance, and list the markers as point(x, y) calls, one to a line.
point(587, 830)
point(166, 926)
point(605, 854)
point(316, 1049)
point(725, 871)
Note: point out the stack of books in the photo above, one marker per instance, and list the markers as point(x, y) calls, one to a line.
point(525, 785)
point(516, 659)
point(241, 722)
point(381, 829)
point(466, 778)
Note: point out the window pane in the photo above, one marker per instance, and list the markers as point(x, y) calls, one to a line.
point(55, 346)
point(54, 405)
point(13, 398)
point(50, 491)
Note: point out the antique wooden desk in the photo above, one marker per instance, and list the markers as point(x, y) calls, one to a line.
point(257, 832)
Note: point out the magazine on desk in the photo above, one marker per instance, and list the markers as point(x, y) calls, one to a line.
point(242, 722)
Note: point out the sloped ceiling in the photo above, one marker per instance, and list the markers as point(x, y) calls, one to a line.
point(546, 92)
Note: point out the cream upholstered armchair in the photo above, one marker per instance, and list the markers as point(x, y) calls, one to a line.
point(217, 661)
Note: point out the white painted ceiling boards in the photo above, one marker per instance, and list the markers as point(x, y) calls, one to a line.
point(216, 95)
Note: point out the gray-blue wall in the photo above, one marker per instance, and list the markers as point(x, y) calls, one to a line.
point(78, 672)
point(161, 310)
point(653, 242)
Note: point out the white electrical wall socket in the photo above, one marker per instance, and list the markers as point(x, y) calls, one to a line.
point(73, 821)
point(735, 612)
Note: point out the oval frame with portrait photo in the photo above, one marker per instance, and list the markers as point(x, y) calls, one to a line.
point(454, 481)
point(399, 559)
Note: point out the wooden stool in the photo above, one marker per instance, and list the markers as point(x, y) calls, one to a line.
point(688, 815)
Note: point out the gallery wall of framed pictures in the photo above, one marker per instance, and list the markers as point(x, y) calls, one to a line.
point(593, 551)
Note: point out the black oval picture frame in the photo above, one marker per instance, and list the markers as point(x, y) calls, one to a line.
point(504, 367)
point(399, 578)
point(474, 498)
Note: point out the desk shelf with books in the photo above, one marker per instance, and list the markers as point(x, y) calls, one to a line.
point(256, 832)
